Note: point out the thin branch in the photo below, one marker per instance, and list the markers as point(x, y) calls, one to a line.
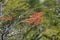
point(5, 2)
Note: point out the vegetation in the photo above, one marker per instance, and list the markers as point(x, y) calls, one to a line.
point(21, 14)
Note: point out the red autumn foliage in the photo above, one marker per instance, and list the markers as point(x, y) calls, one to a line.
point(35, 18)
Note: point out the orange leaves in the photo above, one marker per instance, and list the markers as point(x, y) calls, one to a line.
point(2, 18)
point(9, 18)
point(6, 18)
point(35, 18)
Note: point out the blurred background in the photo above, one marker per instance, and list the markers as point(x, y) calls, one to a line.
point(17, 11)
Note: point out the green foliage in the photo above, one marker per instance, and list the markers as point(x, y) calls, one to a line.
point(51, 16)
point(14, 6)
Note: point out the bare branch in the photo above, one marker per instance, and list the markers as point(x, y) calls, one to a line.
point(5, 2)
